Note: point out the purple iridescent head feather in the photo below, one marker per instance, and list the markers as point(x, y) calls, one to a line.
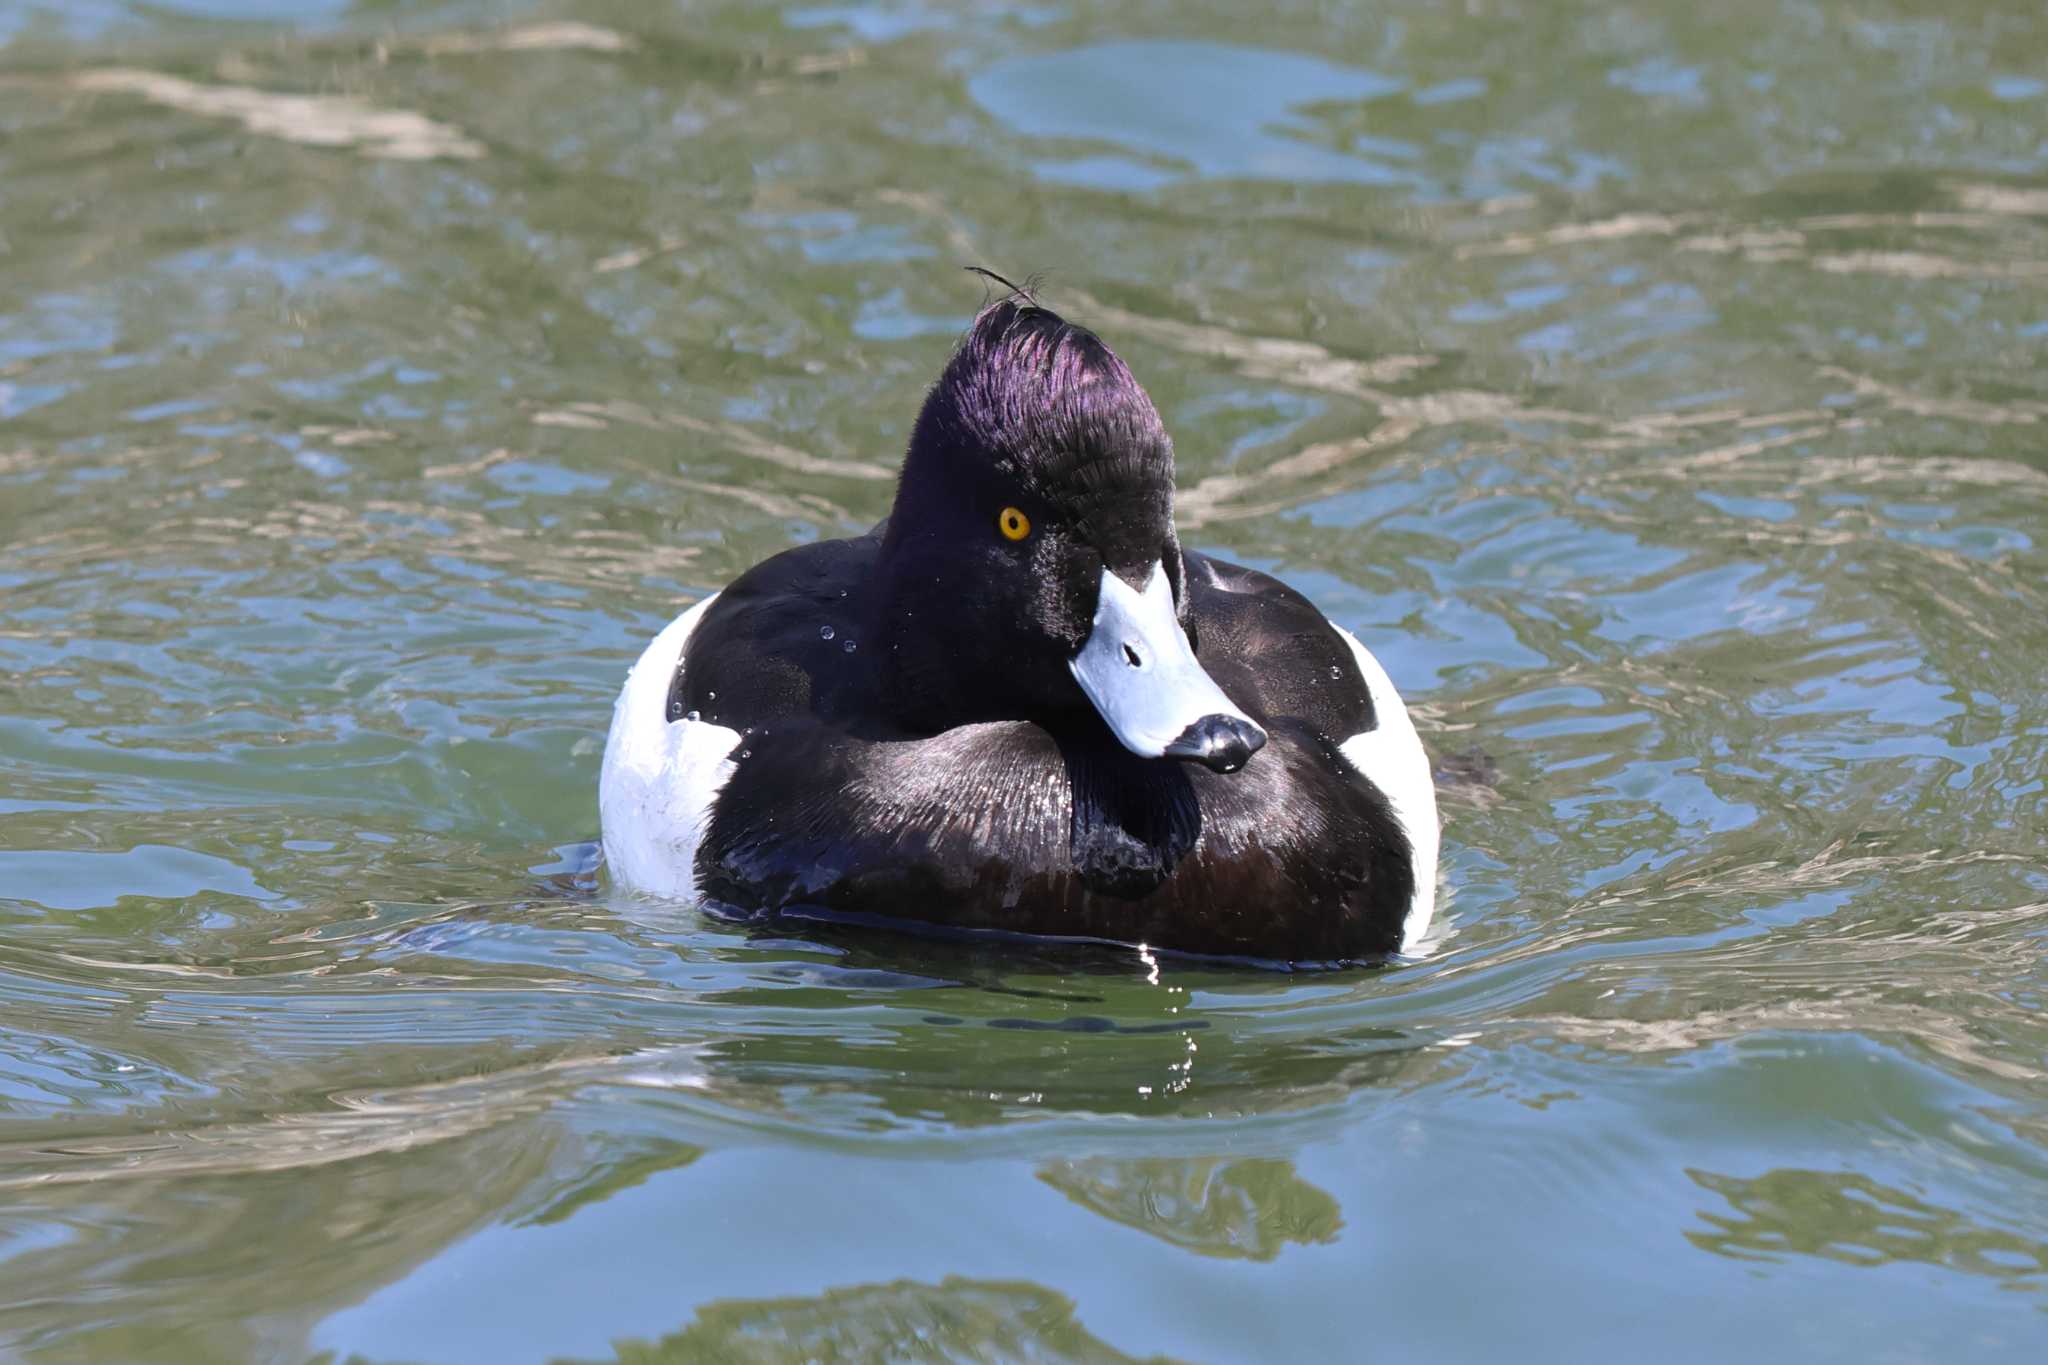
point(1050, 410)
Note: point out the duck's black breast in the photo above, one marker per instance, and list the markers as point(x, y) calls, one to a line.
point(1012, 825)
point(1002, 826)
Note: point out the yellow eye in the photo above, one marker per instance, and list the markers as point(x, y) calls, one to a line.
point(1013, 524)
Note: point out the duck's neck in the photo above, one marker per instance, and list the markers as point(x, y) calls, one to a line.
point(934, 669)
point(923, 672)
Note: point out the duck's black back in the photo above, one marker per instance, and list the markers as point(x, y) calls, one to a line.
point(784, 640)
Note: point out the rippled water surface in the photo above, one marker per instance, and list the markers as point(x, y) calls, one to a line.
point(1657, 387)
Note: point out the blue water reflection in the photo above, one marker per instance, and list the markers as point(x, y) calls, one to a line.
point(1203, 108)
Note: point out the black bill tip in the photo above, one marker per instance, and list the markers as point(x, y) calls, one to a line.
point(1220, 743)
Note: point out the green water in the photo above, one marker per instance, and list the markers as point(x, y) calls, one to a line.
point(1657, 388)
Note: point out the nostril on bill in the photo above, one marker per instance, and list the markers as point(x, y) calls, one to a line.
point(1132, 657)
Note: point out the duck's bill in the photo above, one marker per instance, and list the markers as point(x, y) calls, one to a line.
point(1139, 672)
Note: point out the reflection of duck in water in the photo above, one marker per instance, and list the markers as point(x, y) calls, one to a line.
point(1250, 1207)
point(1018, 704)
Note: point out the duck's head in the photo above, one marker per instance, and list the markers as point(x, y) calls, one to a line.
point(1030, 568)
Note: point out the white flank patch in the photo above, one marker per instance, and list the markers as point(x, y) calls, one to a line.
point(660, 776)
point(1391, 755)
